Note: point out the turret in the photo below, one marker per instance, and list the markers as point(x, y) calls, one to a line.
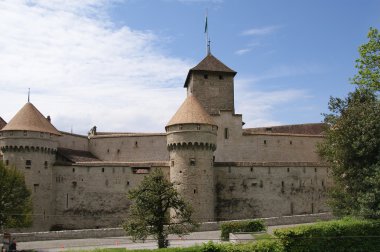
point(191, 141)
point(212, 83)
point(29, 143)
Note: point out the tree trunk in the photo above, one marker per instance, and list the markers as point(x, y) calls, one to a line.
point(162, 241)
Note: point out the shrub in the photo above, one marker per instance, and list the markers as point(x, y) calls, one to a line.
point(339, 235)
point(259, 246)
point(241, 226)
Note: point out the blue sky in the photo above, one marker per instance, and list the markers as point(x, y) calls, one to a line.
point(121, 65)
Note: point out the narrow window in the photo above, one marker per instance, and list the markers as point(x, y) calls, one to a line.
point(198, 127)
point(172, 163)
point(226, 133)
point(28, 164)
point(7, 162)
point(265, 141)
point(288, 169)
point(323, 183)
point(268, 170)
point(205, 76)
point(282, 184)
point(195, 191)
point(35, 186)
point(290, 142)
point(113, 170)
point(221, 77)
point(102, 169)
point(108, 150)
point(261, 184)
point(315, 169)
point(127, 182)
point(192, 161)
point(251, 169)
point(46, 164)
point(67, 200)
point(229, 169)
point(136, 144)
point(25, 133)
point(118, 151)
point(180, 127)
point(73, 169)
point(41, 134)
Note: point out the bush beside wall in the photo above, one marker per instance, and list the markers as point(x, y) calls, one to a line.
point(340, 235)
point(241, 226)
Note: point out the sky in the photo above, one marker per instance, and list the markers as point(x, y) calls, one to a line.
point(121, 65)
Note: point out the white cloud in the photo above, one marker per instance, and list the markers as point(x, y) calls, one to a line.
point(243, 51)
point(258, 106)
point(82, 70)
point(261, 31)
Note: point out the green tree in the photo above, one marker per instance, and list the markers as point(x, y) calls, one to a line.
point(15, 201)
point(352, 142)
point(368, 64)
point(149, 213)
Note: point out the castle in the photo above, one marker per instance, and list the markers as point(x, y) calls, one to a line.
point(223, 170)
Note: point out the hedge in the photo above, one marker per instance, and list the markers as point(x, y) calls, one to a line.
point(240, 226)
point(340, 235)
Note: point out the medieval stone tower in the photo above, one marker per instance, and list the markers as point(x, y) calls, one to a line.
point(191, 141)
point(29, 143)
point(212, 83)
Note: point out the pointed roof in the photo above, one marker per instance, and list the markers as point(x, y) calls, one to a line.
point(191, 111)
point(210, 64)
point(29, 118)
point(2, 123)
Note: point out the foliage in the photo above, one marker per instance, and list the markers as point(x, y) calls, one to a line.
point(340, 235)
point(15, 201)
point(149, 214)
point(241, 226)
point(352, 142)
point(368, 64)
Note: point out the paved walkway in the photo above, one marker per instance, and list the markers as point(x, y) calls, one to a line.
point(126, 242)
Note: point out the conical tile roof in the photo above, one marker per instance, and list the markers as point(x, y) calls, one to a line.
point(2, 123)
point(210, 64)
point(191, 111)
point(29, 118)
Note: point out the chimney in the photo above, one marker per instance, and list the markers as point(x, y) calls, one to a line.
point(48, 118)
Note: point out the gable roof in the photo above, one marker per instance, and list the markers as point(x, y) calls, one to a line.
point(29, 118)
point(191, 112)
point(210, 64)
point(2, 123)
point(74, 156)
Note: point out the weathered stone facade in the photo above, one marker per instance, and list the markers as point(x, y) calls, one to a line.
point(224, 170)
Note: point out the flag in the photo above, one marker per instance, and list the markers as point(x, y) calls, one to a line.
point(206, 25)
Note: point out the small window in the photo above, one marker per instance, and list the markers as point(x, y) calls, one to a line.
point(205, 76)
point(108, 150)
point(229, 169)
point(265, 141)
point(118, 151)
point(323, 183)
point(226, 133)
point(73, 169)
point(221, 77)
point(25, 133)
point(41, 134)
point(195, 191)
point(6, 162)
point(28, 164)
point(46, 164)
point(11, 133)
point(113, 170)
point(35, 186)
point(315, 169)
point(290, 142)
point(102, 169)
point(180, 127)
point(127, 182)
point(288, 169)
point(251, 169)
point(192, 161)
point(198, 127)
point(172, 163)
point(282, 183)
point(136, 144)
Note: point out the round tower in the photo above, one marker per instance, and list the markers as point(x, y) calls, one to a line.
point(191, 141)
point(29, 143)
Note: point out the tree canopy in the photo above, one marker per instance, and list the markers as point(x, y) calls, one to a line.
point(153, 200)
point(352, 142)
point(15, 202)
point(368, 64)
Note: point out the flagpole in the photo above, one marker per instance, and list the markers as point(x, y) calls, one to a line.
point(206, 34)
